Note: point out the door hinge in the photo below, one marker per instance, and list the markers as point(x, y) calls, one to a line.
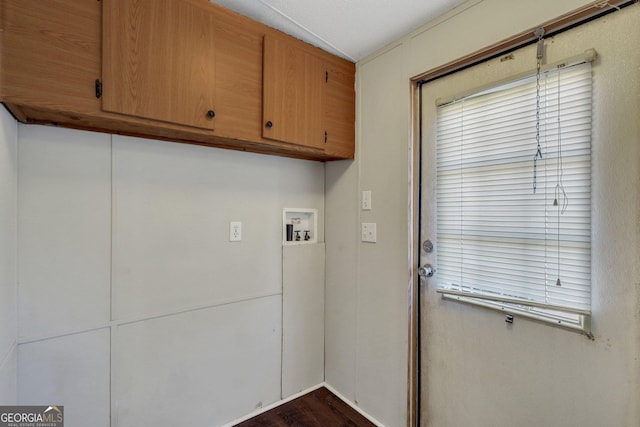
point(98, 88)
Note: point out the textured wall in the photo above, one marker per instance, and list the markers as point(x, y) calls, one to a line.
point(8, 254)
point(134, 305)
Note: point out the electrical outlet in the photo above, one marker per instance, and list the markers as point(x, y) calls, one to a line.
point(369, 232)
point(235, 231)
point(366, 200)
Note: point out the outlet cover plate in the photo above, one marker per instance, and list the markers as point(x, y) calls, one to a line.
point(366, 200)
point(235, 231)
point(369, 232)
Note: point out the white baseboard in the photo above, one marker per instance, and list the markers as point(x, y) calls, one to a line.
point(297, 395)
point(272, 406)
point(353, 405)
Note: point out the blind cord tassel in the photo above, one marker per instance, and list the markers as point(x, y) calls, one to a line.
point(559, 190)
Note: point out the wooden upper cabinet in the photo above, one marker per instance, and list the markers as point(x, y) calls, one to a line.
point(293, 93)
point(164, 64)
point(158, 60)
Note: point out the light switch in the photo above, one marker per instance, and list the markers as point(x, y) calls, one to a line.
point(369, 232)
point(366, 200)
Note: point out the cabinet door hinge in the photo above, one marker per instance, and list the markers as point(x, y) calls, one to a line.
point(98, 88)
point(326, 136)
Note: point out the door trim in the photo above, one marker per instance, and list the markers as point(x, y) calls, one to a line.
point(413, 401)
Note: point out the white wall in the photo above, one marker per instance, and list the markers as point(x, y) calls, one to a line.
point(302, 317)
point(135, 308)
point(8, 254)
point(367, 283)
point(365, 279)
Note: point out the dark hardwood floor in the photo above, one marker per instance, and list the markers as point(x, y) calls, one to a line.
point(320, 408)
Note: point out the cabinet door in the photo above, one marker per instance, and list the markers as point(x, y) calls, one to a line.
point(238, 77)
point(158, 60)
point(293, 93)
point(340, 110)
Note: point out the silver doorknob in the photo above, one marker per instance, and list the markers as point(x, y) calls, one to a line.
point(426, 270)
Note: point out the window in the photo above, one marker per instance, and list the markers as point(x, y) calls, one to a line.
point(514, 225)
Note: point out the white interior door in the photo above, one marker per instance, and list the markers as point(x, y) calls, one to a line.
point(478, 370)
point(463, 346)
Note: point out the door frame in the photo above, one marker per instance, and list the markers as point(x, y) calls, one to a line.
point(415, 172)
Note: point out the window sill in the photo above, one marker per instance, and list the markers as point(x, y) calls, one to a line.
point(576, 322)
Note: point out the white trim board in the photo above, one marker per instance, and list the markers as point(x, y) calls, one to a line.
point(355, 407)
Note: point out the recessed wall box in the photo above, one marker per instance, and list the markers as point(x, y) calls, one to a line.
point(302, 225)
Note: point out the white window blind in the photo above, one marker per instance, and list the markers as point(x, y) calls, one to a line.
point(501, 244)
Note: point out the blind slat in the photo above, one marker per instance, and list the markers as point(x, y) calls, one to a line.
point(495, 236)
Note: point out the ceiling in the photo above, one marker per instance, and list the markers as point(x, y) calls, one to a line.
point(352, 29)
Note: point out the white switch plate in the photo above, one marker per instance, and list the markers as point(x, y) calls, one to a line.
point(235, 231)
point(369, 232)
point(366, 200)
